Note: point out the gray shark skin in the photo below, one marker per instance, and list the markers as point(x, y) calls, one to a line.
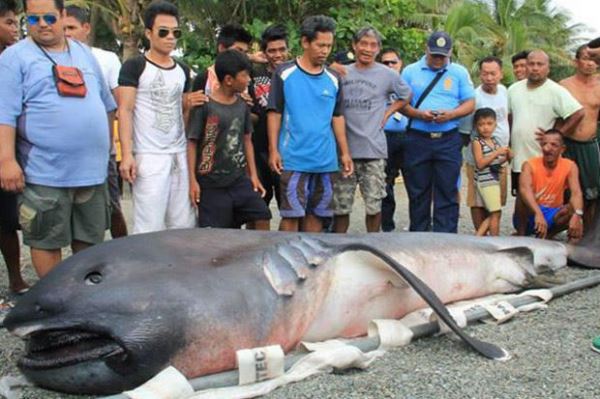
point(109, 318)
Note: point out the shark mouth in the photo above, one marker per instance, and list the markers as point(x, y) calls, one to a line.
point(61, 348)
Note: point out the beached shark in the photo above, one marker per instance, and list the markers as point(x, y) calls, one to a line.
point(111, 317)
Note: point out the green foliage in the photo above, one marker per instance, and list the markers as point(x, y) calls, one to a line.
point(479, 27)
point(384, 15)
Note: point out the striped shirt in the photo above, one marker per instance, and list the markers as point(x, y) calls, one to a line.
point(489, 175)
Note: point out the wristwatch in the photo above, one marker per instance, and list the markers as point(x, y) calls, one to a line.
point(579, 212)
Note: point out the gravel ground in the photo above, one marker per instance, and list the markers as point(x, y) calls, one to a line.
point(550, 349)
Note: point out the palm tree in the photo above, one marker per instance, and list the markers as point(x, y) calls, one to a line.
point(124, 17)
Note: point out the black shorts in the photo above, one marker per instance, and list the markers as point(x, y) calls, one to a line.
point(231, 206)
point(9, 218)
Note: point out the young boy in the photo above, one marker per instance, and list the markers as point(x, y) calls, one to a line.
point(220, 152)
point(490, 158)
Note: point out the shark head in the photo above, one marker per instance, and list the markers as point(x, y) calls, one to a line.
point(98, 323)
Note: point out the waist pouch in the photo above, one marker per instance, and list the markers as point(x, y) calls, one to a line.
point(69, 81)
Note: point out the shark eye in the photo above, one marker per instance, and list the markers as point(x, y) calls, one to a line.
point(93, 278)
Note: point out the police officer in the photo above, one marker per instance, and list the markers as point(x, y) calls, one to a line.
point(442, 94)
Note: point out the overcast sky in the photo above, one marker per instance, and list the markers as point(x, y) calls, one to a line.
point(583, 11)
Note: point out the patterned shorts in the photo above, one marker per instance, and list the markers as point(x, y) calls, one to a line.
point(304, 193)
point(369, 175)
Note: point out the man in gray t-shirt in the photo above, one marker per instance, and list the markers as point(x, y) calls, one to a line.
point(367, 87)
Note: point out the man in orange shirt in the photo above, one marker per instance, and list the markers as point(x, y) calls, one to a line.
point(542, 186)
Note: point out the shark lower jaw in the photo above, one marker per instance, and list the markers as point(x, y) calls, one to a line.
point(57, 348)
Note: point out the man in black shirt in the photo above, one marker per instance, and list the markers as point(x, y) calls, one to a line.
point(274, 46)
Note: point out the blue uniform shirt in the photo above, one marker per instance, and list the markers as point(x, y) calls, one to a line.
point(396, 123)
point(454, 88)
point(61, 141)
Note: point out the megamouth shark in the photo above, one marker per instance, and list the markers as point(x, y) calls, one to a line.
point(109, 318)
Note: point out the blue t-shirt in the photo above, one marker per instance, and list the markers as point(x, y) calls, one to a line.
point(454, 88)
point(61, 141)
point(307, 102)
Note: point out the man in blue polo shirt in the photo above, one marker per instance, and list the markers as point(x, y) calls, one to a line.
point(60, 166)
point(433, 148)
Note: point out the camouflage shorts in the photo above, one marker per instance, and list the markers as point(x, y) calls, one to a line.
point(369, 175)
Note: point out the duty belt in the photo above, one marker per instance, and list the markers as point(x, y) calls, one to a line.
point(434, 135)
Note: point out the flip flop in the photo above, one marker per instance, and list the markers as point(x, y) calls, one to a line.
point(596, 344)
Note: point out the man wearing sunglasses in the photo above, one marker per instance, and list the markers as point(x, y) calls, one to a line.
point(151, 126)
point(78, 27)
point(62, 137)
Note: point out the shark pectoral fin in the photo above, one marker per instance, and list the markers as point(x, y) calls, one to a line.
point(278, 271)
point(523, 256)
point(290, 263)
point(484, 348)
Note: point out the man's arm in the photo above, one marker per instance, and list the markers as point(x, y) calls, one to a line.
point(394, 107)
point(127, 97)
point(251, 166)
point(465, 108)
point(528, 197)
point(338, 124)
point(194, 186)
point(273, 127)
point(11, 174)
point(414, 113)
point(567, 126)
point(576, 222)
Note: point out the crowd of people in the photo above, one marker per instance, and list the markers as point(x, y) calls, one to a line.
point(215, 149)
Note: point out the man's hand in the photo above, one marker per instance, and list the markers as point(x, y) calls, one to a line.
point(258, 187)
point(595, 54)
point(247, 99)
point(275, 162)
point(427, 116)
point(539, 134)
point(196, 99)
point(575, 232)
point(258, 58)
point(194, 192)
point(347, 165)
point(128, 168)
point(504, 151)
point(11, 176)
point(443, 116)
point(541, 227)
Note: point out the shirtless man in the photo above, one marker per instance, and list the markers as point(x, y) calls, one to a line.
point(582, 145)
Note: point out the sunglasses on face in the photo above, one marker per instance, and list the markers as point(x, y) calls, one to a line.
point(390, 62)
point(49, 19)
point(164, 32)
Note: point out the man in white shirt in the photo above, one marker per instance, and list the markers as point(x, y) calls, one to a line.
point(77, 26)
point(151, 90)
point(536, 105)
point(490, 94)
